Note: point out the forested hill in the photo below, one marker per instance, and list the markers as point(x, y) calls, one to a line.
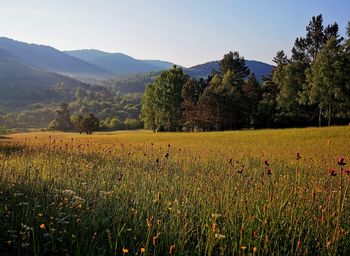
point(50, 59)
point(260, 69)
point(21, 85)
point(119, 63)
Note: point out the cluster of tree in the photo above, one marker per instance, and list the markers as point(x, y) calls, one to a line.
point(226, 100)
point(64, 121)
point(314, 83)
point(105, 102)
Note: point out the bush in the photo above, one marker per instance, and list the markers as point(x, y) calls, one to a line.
point(2, 130)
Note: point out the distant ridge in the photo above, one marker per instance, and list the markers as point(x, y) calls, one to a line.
point(50, 59)
point(119, 63)
point(21, 85)
point(259, 68)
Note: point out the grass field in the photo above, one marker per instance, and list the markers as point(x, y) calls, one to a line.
point(143, 193)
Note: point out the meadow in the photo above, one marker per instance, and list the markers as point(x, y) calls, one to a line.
point(265, 192)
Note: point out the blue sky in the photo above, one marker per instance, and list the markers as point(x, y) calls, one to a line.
point(186, 32)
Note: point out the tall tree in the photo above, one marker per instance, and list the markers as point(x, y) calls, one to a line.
point(232, 61)
point(281, 58)
point(190, 95)
point(326, 78)
point(168, 100)
point(306, 49)
point(62, 121)
point(90, 123)
point(252, 95)
point(148, 108)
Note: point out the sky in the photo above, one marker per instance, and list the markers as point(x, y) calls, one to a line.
point(185, 32)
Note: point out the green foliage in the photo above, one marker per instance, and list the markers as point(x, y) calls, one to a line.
point(132, 124)
point(232, 61)
point(167, 99)
point(148, 108)
point(89, 123)
point(326, 79)
point(2, 130)
point(62, 122)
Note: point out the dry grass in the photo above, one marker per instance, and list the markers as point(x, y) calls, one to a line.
point(176, 193)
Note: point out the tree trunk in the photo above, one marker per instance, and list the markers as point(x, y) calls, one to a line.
point(320, 116)
point(329, 114)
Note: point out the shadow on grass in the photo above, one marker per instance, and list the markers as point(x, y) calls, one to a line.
point(9, 149)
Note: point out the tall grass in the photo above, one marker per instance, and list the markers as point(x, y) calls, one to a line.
point(141, 193)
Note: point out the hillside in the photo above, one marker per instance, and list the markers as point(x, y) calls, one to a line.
point(50, 59)
point(21, 85)
point(119, 63)
point(260, 69)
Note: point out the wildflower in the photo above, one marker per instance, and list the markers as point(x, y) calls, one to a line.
point(268, 172)
point(332, 172)
point(214, 227)
point(142, 250)
point(172, 250)
point(298, 157)
point(40, 214)
point(341, 161)
point(266, 163)
point(255, 249)
point(346, 171)
point(125, 251)
point(155, 240)
point(42, 226)
point(243, 247)
point(149, 222)
point(167, 155)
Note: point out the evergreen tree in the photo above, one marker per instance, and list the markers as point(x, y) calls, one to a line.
point(232, 61)
point(252, 95)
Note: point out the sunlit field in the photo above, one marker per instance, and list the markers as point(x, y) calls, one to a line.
point(268, 192)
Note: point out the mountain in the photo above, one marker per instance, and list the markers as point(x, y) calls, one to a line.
point(50, 59)
point(119, 63)
point(21, 85)
point(260, 69)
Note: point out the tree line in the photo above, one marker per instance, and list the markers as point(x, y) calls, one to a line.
point(310, 88)
point(66, 122)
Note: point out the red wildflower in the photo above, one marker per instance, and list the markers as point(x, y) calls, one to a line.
point(341, 161)
point(298, 156)
point(346, 171)
point(268, 171)
point(266, 163)
point(332, 172)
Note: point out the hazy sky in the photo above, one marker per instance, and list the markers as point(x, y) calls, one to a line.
point(186, 32)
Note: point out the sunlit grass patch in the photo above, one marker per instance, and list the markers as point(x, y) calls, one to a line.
point(244, 192)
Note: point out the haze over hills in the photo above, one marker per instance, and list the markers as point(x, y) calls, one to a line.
point(119, 63)
point(50, 59)
point(21, 85)
point(25, 68)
